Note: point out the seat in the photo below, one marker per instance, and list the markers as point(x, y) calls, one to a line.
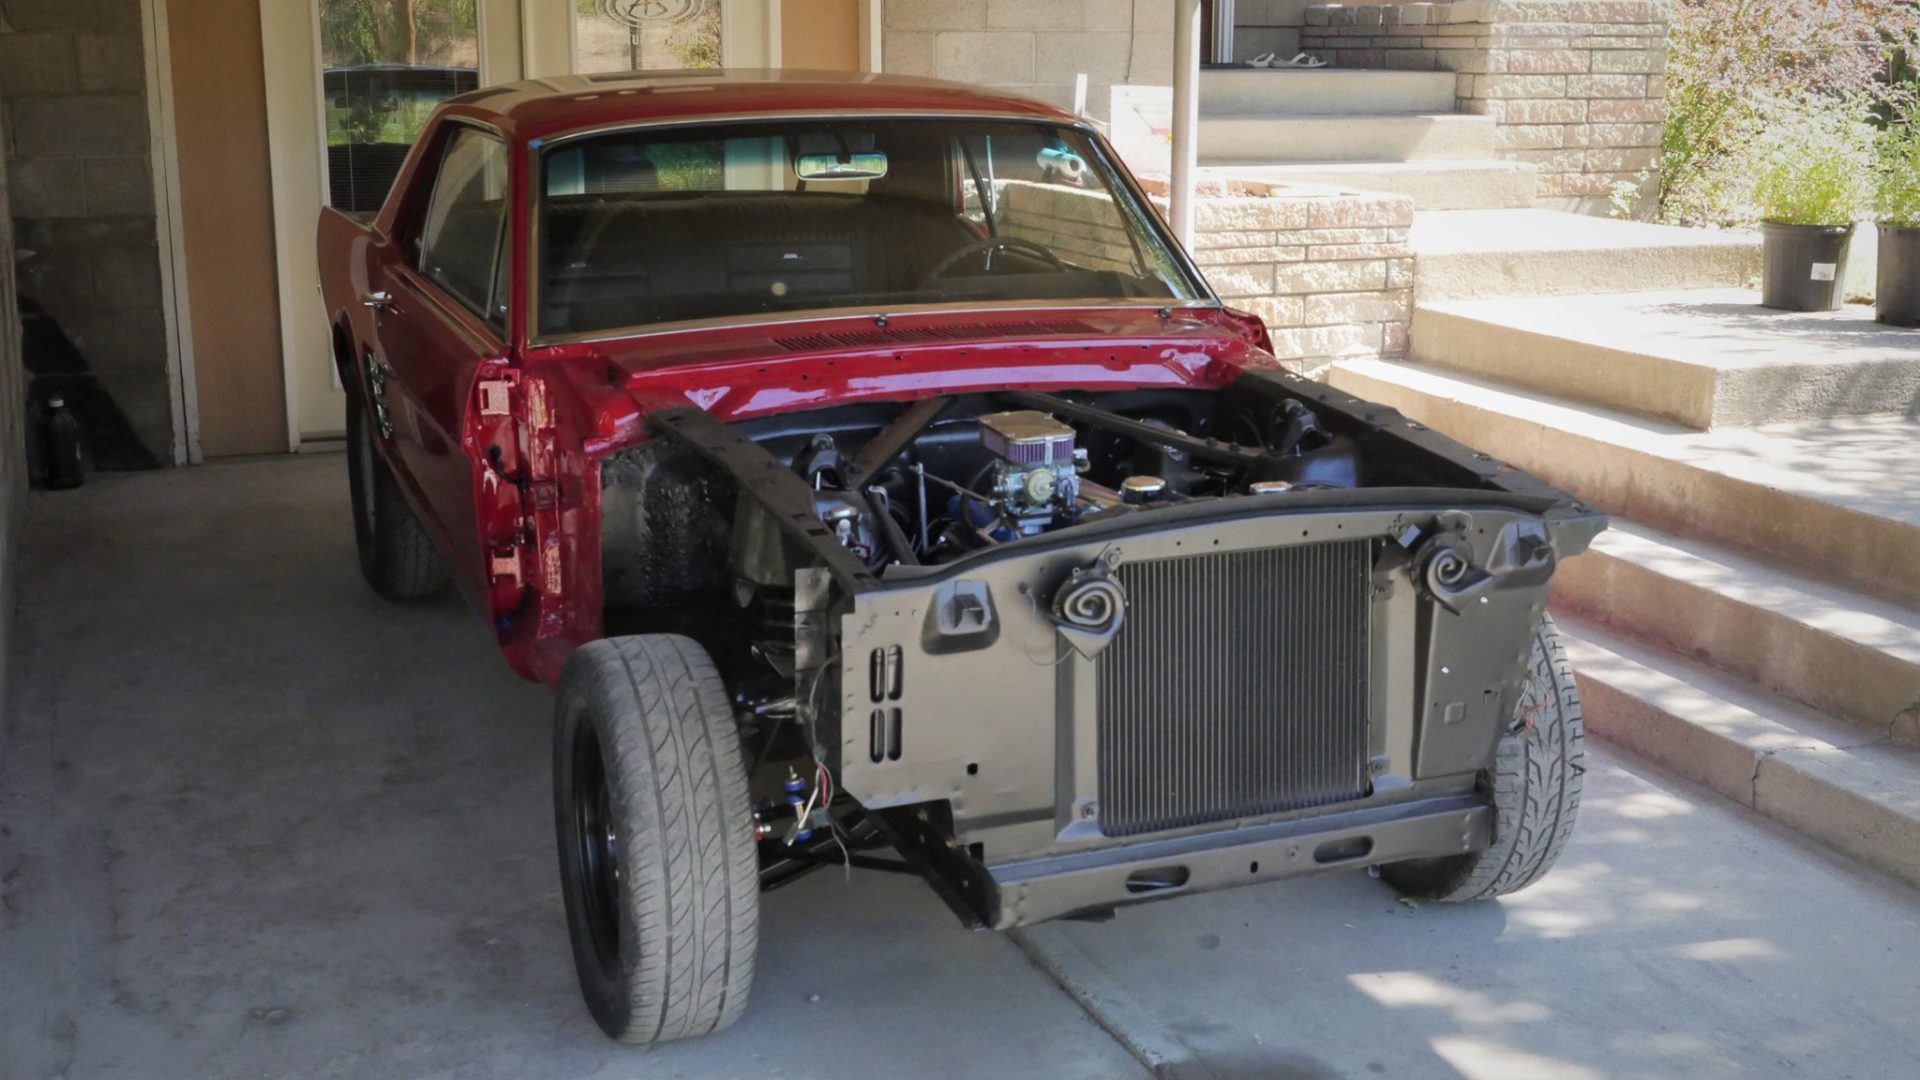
point(628, 261)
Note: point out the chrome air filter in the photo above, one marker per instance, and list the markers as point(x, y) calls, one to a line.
point(1027, 438)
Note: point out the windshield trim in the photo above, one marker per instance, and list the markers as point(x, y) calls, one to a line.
point(1149, 218)
point(872, 311)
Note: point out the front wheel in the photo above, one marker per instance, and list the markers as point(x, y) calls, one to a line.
point(1535, 779)
point(657, 856)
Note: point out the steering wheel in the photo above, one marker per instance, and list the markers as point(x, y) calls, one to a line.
point(993, 243)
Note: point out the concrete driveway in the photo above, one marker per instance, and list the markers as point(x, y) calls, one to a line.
point(255, 823)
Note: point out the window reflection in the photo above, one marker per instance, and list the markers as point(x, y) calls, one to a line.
point(385, 65)
point(645, 35)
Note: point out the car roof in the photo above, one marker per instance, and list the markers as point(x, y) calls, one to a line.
point(543, 108)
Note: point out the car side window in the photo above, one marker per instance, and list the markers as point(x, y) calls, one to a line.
point(463, 241)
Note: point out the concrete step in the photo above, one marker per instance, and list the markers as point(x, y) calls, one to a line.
point(1701, 358)
point(1841, 497)
point(1433, 185)
point(1323, 91)
point(1850, 790)
point(1401, 137)
point(1465, 254)
point(1846, 653)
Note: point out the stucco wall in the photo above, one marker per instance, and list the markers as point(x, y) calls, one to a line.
point(73, 87)
point(1035, 48)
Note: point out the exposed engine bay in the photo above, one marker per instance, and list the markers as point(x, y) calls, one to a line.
point(933, 482)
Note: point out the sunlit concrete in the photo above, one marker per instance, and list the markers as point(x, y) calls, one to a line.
point(1472, 253)
point(1678, 937)
point(1698, 357)
point(1842, 495)
point(1846, 651)
point(255, 823)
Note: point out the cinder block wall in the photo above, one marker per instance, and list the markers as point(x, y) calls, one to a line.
point(73, 89)
point(13, 475)
point(1033, 47)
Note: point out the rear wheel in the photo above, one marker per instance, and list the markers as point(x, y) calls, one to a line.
point(397, 557)
point(657, 856)
point(1535, 779)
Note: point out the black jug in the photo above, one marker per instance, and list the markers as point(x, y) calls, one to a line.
point(62, 434)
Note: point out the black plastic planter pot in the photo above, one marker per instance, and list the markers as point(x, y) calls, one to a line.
point(1804, 266)
point(1896, 290)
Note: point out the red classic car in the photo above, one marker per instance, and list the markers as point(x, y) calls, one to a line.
point(868, 468)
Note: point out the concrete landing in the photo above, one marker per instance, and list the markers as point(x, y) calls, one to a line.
point(1700, 358)
point(1465, 254)
point(1852, 790)
point(1327, 91)
point(1432, 185)
point(1321, 137)
point(1839, 496)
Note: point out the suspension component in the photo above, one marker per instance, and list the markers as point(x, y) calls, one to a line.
point(797, 800)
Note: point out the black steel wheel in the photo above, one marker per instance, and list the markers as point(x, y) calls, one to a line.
point(657, 859)
point(397, 557)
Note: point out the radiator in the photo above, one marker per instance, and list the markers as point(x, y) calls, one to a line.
point(1236, 687)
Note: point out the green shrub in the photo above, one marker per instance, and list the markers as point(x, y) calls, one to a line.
point(1729, 58)
point(1812, 163)
point(1896, 189)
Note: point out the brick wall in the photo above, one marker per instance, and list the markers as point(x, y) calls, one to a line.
point(1330, 271)
point(1034, 47)
point(73, 88)
point(1577, 87)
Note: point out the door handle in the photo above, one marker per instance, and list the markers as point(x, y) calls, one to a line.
point(378, 301)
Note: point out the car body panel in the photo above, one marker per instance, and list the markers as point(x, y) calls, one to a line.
point(573, 403)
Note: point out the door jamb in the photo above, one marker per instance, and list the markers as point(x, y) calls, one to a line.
point(163, 153)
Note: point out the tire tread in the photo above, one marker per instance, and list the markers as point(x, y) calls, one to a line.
point(692, 885)
point(1536, 781)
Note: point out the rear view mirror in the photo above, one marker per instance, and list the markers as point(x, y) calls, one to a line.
point(867, 166)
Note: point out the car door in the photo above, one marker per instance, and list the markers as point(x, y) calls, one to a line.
point(442, 314)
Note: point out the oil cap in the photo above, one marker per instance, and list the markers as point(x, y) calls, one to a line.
point(1140, 490)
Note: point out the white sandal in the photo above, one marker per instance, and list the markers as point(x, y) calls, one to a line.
point(1300, 61)
point(1265, 59)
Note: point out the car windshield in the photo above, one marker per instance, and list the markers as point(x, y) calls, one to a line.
point(658, 225)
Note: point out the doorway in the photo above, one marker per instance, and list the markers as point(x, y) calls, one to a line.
point(350, 84)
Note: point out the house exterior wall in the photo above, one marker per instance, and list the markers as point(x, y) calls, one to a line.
point(821, 35)
point(1032, 48)
point(1577, 87)
point(73, 87)
point(226, 224)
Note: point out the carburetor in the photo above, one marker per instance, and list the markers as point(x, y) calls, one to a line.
point(1035, 472)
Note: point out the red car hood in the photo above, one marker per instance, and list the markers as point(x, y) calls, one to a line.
point(746, 371)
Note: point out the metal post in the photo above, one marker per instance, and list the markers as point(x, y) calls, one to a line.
point(1186, 117)
point(1222, 44)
